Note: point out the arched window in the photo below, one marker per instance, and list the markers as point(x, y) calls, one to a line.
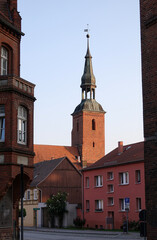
point(93, 124)
point(22, 125)
point(4, 61)
point(2, 123)
point(93, 144)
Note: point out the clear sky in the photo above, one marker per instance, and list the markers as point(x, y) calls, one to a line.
point(52, 57)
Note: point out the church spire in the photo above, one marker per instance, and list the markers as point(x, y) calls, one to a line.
point(88, 78)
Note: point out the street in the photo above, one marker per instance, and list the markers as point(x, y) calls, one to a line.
point(56, 234)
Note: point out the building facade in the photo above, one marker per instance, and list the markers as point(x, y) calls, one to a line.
point(113, 184)
point(149, 82)
point(16, 120)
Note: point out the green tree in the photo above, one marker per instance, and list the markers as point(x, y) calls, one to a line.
point(24, 212)
point(56, 206)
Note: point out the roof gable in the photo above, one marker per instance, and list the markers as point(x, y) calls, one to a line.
point(43, 169)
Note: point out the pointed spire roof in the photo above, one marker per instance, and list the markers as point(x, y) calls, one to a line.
point(88, 78)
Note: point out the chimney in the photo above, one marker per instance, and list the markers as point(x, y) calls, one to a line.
point(120, 147)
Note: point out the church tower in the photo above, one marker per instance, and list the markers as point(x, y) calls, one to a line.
point(16, 120)
point(88, 118)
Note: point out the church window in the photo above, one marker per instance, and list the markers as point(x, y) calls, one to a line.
point(4, 61)
point(22, 125)
point(93, 124)
point(2, 123)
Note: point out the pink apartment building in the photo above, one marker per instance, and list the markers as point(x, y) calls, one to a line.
point(112, 184)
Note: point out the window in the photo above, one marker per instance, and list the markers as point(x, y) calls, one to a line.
point(124, 178)
point(110, 188)
point(93, 144)
point(87, 182)
point(98, 205)
point(138, 176)
point(28, 194)
point(4, 61)
point(35, 194)
point(22, 125)
point(77, 125)
point(122, 204)
point(110, 176)
point(87, 205)
point(93, 124)
point(2, 123)
point(138, 204)
point(24, 197)
point(98, 181)
point(110, 201)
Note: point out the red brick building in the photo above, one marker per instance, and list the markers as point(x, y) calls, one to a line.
point(149, 82)
point(108, 182)
point(16, 120)
point(88, 133)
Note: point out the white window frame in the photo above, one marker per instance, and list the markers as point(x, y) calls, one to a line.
point(98, 205)
point(4, 61)
point(28, 194)
point(22, 125)
point(124, 178)
point(2, 123)
point(122, 205)
point(139, 204)
point(99, 181)
point(24, 197)
point(35, 194)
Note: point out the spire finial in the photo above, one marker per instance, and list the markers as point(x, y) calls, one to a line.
point(88, 36)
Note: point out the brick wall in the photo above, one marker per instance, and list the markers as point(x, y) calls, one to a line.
point(149, 82)
point(90, 142)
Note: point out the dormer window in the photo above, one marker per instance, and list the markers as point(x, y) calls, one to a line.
point(4, 61)
point(22, 125)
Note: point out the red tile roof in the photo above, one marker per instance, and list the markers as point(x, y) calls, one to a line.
point(49, 152)
point(131, 153)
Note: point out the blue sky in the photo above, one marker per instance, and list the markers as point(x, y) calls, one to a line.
point(52, 57)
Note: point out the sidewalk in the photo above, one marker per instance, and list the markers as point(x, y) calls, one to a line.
point(121, 235)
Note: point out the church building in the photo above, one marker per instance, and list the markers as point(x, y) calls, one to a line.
point(88, 133)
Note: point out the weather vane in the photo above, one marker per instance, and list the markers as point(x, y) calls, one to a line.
point(87, 30)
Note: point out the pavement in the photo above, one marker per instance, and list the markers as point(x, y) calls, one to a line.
point(112, 234)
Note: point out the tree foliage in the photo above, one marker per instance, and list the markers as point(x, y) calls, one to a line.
point(56, 206)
